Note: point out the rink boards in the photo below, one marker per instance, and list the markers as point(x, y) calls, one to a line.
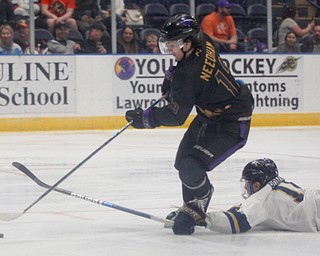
point(93, 92)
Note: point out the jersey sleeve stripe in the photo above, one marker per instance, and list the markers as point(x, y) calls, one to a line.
point(233, 222)
point(238, 220)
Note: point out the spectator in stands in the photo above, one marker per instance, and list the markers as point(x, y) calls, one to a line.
point(7, 46)
point(129, 41)
point(23, 35)
point(22, 38)
point(61, 44)
point(6, 12)
point(98, 41)
point(23, 8)
point(151, 44)
point(219, 25)
point(290, 44)
point(56, 11)
point(289, 24)
point(312, 42)
point(86, 13)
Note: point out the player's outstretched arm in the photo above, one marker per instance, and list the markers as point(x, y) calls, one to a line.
point(229, 222)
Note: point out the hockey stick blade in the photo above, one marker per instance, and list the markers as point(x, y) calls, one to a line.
point(10, 216)
point(27, 172)
point(50, 188)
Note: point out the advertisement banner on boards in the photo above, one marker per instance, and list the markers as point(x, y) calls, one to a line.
point(45, 84)
point(138, 80)
point(276, 81)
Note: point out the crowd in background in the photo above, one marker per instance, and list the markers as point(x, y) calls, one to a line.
point(84, 27)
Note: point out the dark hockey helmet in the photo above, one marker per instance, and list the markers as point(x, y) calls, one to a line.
point(260, 170)
point(178, 28)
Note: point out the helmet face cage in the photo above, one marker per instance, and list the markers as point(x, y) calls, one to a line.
point(261, 170)
point(246, 188)
point(167, 47)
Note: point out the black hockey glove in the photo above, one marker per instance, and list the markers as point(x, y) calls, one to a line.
point(166, 85)
point(141, 118)
point(188, 217)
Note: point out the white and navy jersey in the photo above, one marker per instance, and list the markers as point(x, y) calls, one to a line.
point(284, 207)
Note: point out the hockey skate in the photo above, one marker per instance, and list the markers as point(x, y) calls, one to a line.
point(201, 203)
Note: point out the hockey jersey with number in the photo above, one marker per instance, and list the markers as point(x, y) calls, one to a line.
point(204, 81)
point(284, 207)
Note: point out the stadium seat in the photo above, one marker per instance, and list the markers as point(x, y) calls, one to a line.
point(179, 2)
point(42, 34)
point(143, 3)
point(242, 39)
point(257, 15)
point(179, 8)
point(250, 2)
point(239, 16)
point(236, 10)
point(256, 38)
point(241, 35)
point(257, 10)
point(257, 33)
point(198, 2)
point(203, 10)
point(155, 15)
point(75, 36)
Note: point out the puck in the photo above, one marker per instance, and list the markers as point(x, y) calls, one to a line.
point(1, 235)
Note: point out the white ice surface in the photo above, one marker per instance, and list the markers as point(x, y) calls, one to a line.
point(136, 170)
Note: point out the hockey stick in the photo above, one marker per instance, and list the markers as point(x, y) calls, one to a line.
point(17, 215)
point(27, 172)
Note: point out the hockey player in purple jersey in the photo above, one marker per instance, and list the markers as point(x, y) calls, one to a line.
point(271, 202)
point(224, 108)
